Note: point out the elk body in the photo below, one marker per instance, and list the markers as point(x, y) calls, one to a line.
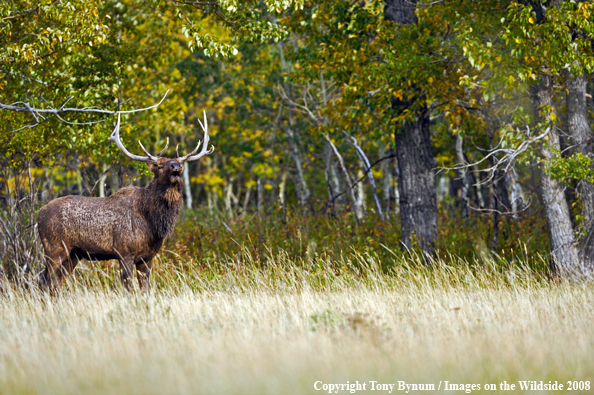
point(129, 225)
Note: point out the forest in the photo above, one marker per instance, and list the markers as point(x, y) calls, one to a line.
point(447, 128)
point(429, 156)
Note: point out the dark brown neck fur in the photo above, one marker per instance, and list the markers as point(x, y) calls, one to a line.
point(161, 204)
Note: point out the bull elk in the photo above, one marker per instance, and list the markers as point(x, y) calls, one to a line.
point(129, 225)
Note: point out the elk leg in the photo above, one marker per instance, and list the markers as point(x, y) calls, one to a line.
point(126, 267)
point(55, 273)
point(68, 266)
point(143, 273)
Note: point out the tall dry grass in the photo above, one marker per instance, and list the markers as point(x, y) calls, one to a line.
point(278, 326)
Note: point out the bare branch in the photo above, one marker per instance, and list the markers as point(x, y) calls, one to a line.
point(490, 210)
point(509, 158)
point(78, 123)
point(353, 185)
point(36, 111)
point(283, 94)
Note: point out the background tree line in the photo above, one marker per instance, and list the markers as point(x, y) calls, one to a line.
point(441, 127)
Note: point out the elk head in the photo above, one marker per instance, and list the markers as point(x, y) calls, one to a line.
point(166, 170)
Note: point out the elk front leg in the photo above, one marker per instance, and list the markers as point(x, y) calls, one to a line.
point(143, 273)
point(126, 267)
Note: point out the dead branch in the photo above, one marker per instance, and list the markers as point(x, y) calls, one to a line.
point(38, 113)
point(509, 158)
point(353, 185)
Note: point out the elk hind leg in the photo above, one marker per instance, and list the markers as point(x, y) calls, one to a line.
point(57, 267)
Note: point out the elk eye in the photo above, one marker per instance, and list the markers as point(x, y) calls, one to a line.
point(160, 167)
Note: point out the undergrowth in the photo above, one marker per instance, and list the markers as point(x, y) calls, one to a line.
point(203, 235)
point(285, 248)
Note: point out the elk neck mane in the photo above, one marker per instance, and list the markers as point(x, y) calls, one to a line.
point(161, 203)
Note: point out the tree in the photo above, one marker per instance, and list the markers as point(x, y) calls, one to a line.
point(544, 48)
point(392, 78)
point(417, 164)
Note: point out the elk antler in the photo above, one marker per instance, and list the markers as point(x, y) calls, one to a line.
point(115, 137)
point(205, 151)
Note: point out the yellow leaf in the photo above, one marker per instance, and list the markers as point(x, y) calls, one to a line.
point(531, 20)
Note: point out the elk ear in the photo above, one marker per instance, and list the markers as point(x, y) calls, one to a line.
point(153, 167)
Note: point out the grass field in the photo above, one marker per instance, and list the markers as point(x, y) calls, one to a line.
point(281, 326)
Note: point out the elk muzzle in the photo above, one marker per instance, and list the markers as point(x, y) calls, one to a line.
point(175, 170)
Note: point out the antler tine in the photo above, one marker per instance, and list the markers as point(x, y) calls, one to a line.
point(164, 149)
point(115, 137)
point(191, 157)
point(152, 157)
point(195, 149)
point(205, 124)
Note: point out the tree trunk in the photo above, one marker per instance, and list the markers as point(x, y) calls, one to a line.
point(332, 180)
point(366, 165)
point(187, 190)
point(46, 194)
point(259, 195)
point(102, 181)
point(416, 183)
point(579, 130)
point(462, 174)
point(518, 202)
point(401, 11)
point(396, 175)
point(581, 141)
point(246, 199)
point(212, 200)
point(565, 260)
point(114, 182)
point(303, 194)
point(356, 208)
point(495, 208)
point(500, 201)
point(416, 162)
point(501, 184)
point(79, 181)
point(478, 187)
point(386, 177)
point(361, 201)
point(228, 198)
point(282, 186)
